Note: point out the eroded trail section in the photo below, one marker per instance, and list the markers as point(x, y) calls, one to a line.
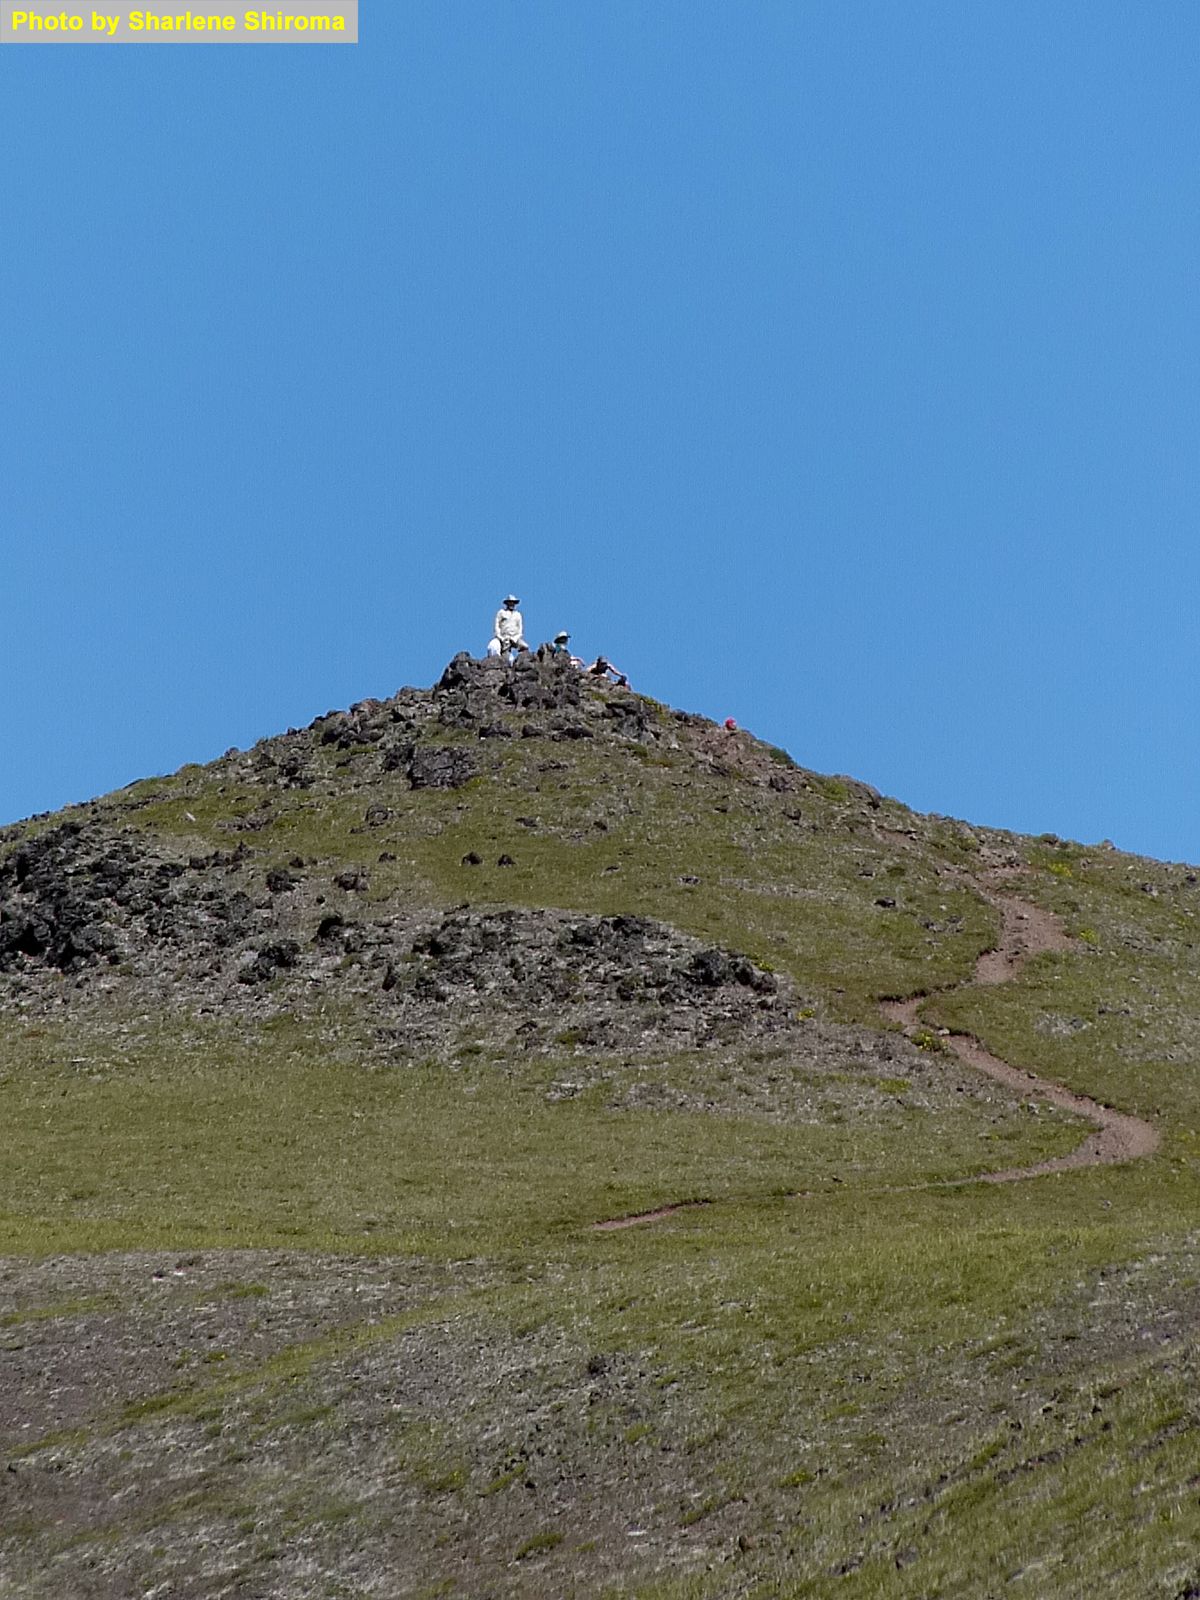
point(636, 1218)
point(1028, 930)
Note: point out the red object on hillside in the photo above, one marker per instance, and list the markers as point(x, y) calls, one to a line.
point(731, 724)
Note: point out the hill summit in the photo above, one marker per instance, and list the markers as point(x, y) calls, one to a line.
point(515, 1138)
point(123, 896)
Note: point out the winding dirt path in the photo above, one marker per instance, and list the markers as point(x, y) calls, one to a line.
point(1026, 930)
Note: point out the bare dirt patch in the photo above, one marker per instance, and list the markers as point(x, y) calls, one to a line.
point(449, 1450)
point(82, 1337)
point(1028, 930)
point(615, 1224)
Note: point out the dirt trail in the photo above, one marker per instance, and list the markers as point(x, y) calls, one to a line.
point(1026, 930)
point(613, 1224)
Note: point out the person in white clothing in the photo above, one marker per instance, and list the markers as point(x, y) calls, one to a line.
point(493, 646)
point(510, 627)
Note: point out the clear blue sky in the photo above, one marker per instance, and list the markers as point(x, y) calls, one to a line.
point(831, 366)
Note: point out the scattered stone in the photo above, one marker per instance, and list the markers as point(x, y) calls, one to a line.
point(253, 822)
point(440, 767)
point(76, 896)
point(553, 979)
point(270, 959)
point(712, 968)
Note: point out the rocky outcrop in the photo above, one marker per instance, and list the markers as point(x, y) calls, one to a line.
point(470, 693)
point(77, 896)
point(111, 905)
point(430, 766)
point(549, 978)
point(523, 954)
point(224, 931)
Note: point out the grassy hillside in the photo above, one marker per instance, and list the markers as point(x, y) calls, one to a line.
point(307, 1135)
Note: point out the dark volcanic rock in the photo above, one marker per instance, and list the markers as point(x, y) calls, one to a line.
point(76, 896)
point(469, 692)
point(270, 959)
point(295, 771)
point(546, 976)
point(440, 767)
point(160, 919)
point(398, 756)
point(712, 968)
point(627, 716)
point(429, 766)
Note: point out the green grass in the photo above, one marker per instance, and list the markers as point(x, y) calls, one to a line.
point(844, 1376)
point(537, 1544)
point(794, 898)
point(205, 1135)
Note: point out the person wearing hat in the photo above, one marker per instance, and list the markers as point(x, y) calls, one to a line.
point(562, 647)
point(603, 669)
point(509, 628)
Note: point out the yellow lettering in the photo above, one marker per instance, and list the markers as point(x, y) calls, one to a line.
point(64, 22)
point(193, 22)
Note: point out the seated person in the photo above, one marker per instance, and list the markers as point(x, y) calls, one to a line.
point(561, 646)
point(603, 668)
point(509, 628)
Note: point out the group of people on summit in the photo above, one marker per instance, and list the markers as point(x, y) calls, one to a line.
point(508, 642)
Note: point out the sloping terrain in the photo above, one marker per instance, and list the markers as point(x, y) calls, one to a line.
point(515, 1138)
